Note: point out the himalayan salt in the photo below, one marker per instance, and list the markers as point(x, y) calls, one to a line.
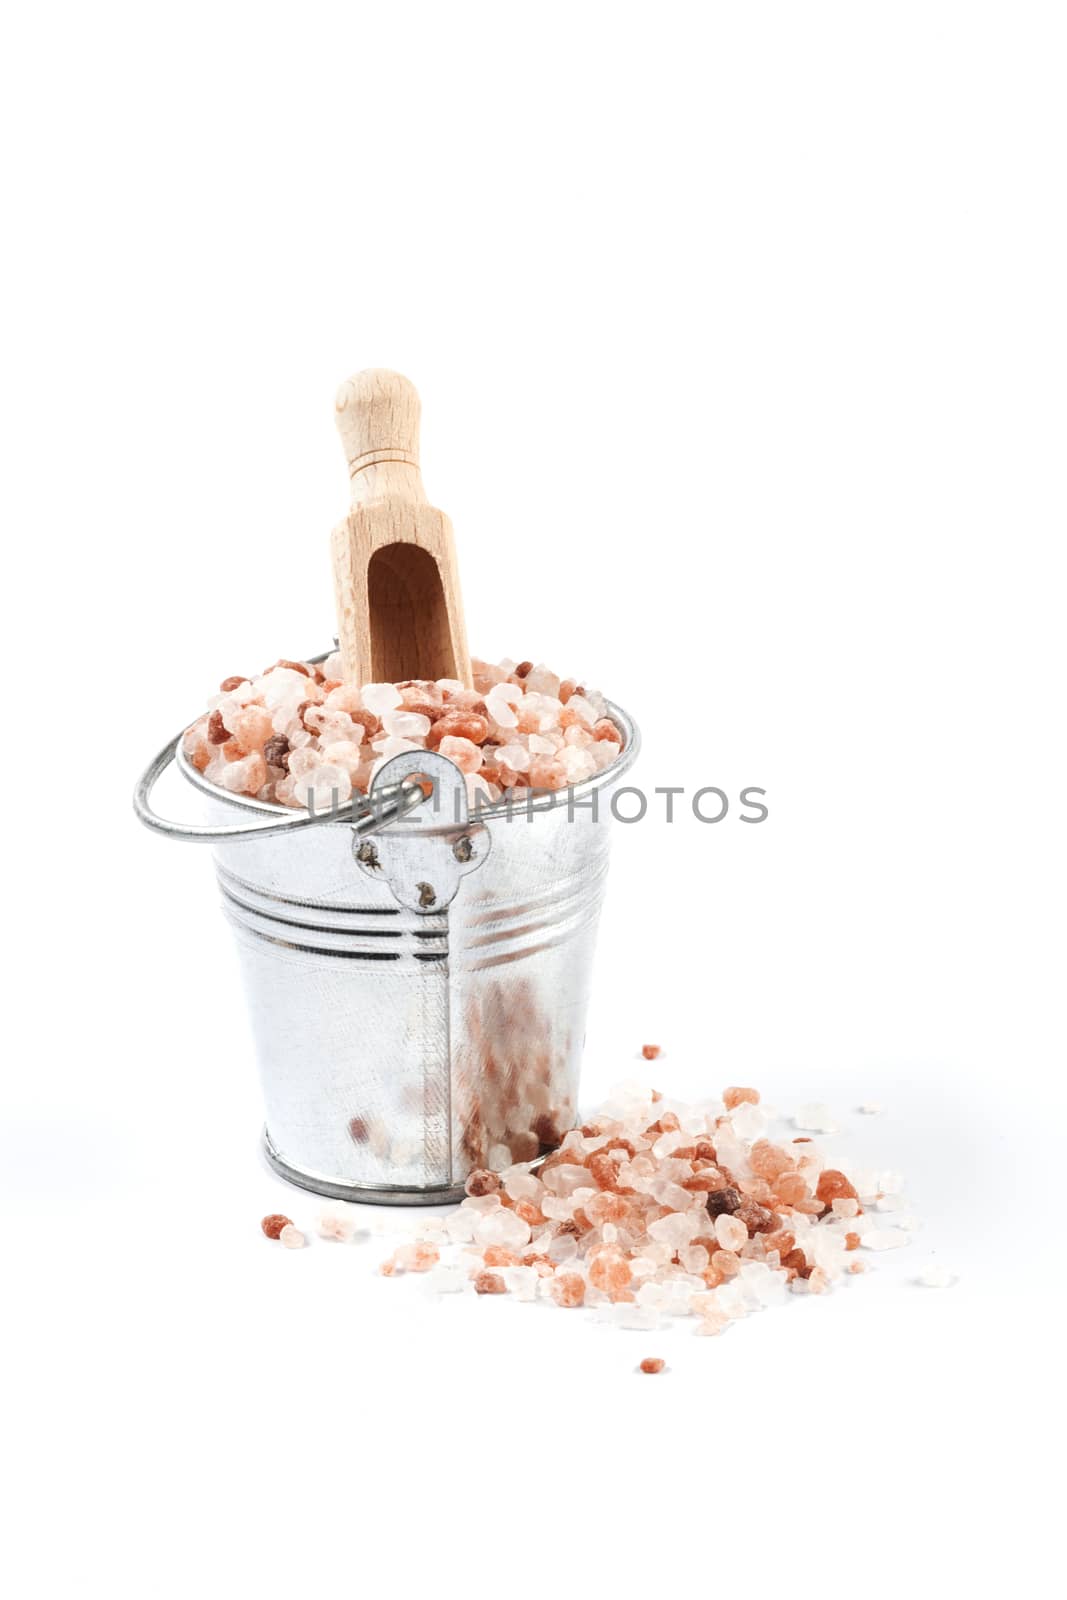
point(480, 1182)
point(291, 1237)
point(730, 1233)
point(653, 1364)
point(885, 1239)
point(732, 1098)
point(381, 697)
point(815, 1118)
point(273, 1225)
point(296, 735)
point(606, 1223)
point(833, 1185)
point(336, 1225)
point(568, 1289)
point(466, 755)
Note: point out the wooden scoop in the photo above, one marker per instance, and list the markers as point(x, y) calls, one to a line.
point(396, 582)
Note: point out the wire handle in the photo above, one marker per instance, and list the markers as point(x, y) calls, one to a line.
point(363, 815)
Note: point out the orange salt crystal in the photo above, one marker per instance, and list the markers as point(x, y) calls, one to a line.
point(833, 1185)
point(653, 1364)
point(731, 1098)
point(603, 1170)
point(608, 1270)
point(529, 1213)
point(768, 1160)
point(650, 1052)
point(852, 1241)
point(857, 1266)
point(726, 1263)
point(458, 725)
point(272, 1226)
point(490, 1283)
point(791, 1187)
point(498, 1256)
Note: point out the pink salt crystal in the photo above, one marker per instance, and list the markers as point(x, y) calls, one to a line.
point(547, 773)
point(244, 776)
point(467, 756)
point(346, 697)
point(343, 753)
point(303, 761)
point(252, 726)
point(417, 1257)
point(291, 1237)
point(578, 709)
point(567, 1289)
point(335, 1225)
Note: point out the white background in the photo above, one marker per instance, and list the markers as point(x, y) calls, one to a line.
point(740, 335)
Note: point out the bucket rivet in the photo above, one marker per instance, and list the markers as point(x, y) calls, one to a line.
point(463, 850)
point(427, 894)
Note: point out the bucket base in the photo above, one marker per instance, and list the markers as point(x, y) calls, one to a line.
point(385, 1195)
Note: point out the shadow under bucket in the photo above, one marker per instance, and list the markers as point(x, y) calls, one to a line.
point(417, 981)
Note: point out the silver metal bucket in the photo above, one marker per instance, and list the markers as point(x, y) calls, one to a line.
point(417, 982)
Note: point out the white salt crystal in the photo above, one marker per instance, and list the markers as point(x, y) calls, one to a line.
point(381, 697)
point(522, 1282)
point(815, 1118)
point(577, 764)
point(406, 724)
point(749, 1121)
point(870, 1108)
point(541, 680)
point(502, 1227)
point(324, 787)
point(884, 1239)
point(515, 756)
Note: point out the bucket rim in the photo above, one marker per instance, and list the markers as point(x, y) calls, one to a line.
point(550, 801)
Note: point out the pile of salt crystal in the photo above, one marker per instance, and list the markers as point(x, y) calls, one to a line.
point(296, 734)
point(659, 1209)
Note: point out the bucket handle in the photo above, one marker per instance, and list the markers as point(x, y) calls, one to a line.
point(388, 806)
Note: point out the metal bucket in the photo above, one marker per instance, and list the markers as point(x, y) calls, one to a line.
point(417, 980)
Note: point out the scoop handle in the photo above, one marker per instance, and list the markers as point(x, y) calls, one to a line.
point(378, 420)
